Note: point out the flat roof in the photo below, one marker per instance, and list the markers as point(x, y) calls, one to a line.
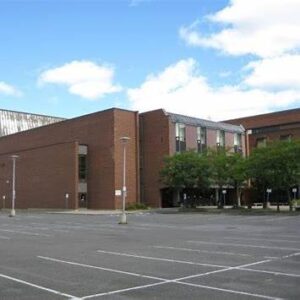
point(176, 118)
point(13, 121)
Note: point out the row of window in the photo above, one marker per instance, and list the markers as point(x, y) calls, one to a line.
point(262, 141)
point(180, 136)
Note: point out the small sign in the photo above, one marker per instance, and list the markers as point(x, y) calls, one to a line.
point(224, 191)
point(294, 190)
point(118, 193)
point(269, 190)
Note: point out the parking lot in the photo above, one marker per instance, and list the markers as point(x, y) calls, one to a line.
point(154, 256)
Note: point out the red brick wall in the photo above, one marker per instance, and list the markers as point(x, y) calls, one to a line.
point(286, 122)
point(43, 176)
point(191, 137)
point(156, 139)
point(211, 138)
point(126, 124)
point(282, 117)
point(98, 131)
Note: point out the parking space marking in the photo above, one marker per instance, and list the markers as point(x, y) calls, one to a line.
point(37, 286)
point(222, 270)
point(278, 235)
point(279, 218)
point(124, 290)
point(244, 245)
point(4, 237)
point(270, 272)
point(100, 268)
point(162, 259)
point(261, 239)
point(291, 255)
point(25, 232)
point(203, 251)
point(179, 281)
point(29, 227)
point(230, 291)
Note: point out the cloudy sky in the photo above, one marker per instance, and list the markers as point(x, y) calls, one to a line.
point(215, 59)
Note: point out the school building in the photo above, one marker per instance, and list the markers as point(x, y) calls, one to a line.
point(72, 163)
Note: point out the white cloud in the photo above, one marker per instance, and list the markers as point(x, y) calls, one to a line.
point(181, 89)
point(9, 90)
point(265, 28)
point(280, 73)
point(84, 78)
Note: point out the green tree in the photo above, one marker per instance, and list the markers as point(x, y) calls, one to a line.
point(219, 165)
point(185, 170)
point(237, 174)
point(276, 166)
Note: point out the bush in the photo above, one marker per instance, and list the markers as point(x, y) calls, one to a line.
point(136, 206)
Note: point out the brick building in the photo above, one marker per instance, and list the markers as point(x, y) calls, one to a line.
point(260, 129)
point(163, 133)
point(72, 163)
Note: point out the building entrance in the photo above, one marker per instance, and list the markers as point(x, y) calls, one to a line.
point(82, 200)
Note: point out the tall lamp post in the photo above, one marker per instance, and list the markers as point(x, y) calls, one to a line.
point(124, 141)
point(13, 212)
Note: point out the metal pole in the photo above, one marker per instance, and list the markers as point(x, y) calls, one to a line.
point(124, 190)
point(13, 212)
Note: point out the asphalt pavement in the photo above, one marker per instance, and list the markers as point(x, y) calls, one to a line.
point(154, 256)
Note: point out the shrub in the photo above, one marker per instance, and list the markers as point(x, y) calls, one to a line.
point(136, 206)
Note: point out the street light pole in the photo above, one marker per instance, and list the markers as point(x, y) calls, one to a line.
point(123, 220)
point(13, 202)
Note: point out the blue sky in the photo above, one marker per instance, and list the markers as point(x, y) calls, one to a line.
point(213, 59)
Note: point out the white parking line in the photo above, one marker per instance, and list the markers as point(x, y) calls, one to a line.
point(38, 286)
point(261, 239)
point(279, 218)
point(100, 268)
point(229, 291)
point(162, 259)
point(203, 251)
point(243, 245)
point(269, 272)
point(179, 281)
point(124, 290)
point(4, 237)
point(222, 270)
point(25, 232)
point(291, 255)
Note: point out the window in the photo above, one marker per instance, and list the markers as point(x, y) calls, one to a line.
point(221, 138)
point(237, 142)
point(287, 137)
point(180, 137)
point(82, 167)
point(261, 142)
point(201, 139)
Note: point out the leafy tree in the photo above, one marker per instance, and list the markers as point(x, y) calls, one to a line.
point(237, 173)
point(276, 166)
point(185, 170)
point(219, 165)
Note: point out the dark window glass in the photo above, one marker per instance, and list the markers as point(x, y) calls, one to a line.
point(201, 139)
point(287, 137)
point(237, 143)
point(82, 167)
point(180, 137)
point(221, 138)
point(261, 142)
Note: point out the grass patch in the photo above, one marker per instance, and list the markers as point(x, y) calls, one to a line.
point(137, 206)
point(237, 211)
